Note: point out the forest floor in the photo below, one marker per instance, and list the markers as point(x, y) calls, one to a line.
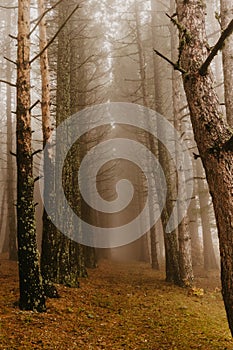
point(120, 306)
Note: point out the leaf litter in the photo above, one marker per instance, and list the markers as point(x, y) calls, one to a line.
point(119, 306)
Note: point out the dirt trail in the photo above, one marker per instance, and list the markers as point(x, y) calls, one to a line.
point(120, 306)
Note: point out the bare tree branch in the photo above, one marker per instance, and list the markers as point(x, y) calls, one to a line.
point(35, 180)
point(34, 105)
point(8, 83)
point(218, 46)
point(36, 152)
point(42, 16)
point(175, 65)
point(13, 154)
point(55, 35)
point(9, 60)
point(9, 7)
point(13, 37)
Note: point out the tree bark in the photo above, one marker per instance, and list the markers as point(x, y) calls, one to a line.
point(184, 237)
point(204, 199)
point(49, 231)
point(154, 243)
point(4, 241)
point(85, 256)
point(213, 136)
point(227, 57)
point(11, 219)
point(170, 239)
point(31, 291)
point(70, 259)
point(197, 257)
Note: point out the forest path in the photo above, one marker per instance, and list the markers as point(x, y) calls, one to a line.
point(120, 306)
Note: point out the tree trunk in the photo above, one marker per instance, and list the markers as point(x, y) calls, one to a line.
point(184, 237)
point(204, 198)
point(197, 257)
point(11, 219)
point(170, 239)
point(213, 136)
point(49, 231)
point(85, 256)
point(70, 259)
point(141, 56)
point(227, 57)
point(4, 242)
point(31, 291)
point(90, 257)
point(154, 243)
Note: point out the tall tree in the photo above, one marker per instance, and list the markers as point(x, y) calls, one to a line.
point(184, 237)
point(31, 290)
point(48, 256)
point(70, 259)
point(204, 199)
point(11, 221)
point(86, 255)
point(213, 135)
point(197, 258)
point(227, 56)
point(170, 239)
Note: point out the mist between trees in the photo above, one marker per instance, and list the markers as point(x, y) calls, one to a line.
point(62, 57)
